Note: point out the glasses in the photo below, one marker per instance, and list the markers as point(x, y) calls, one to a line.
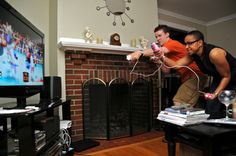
point(190, 43)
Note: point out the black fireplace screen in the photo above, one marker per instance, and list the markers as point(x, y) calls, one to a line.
point(116, 109)
point(140, 106)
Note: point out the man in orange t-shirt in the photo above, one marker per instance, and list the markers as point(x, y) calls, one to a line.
point(188, 91)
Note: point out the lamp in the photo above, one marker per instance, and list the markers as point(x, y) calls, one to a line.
point(117, 8)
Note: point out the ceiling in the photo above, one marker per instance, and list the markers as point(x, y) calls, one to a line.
point(203, 10)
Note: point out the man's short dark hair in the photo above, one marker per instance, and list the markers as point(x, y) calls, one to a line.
point(165, 28)
point(197, 34)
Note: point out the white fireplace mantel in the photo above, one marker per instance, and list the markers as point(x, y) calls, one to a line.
point(68, 44)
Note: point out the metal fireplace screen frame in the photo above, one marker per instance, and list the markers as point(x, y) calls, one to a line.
point(116, 109)
point(95, 109)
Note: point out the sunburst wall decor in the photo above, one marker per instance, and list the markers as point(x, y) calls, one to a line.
point(117, 8)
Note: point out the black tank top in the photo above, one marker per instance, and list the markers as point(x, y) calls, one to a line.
point(207, 67)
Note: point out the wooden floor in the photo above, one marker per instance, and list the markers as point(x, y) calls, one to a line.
point(147, 144)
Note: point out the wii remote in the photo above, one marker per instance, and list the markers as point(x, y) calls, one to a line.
point(155, 47)
point(128, 57)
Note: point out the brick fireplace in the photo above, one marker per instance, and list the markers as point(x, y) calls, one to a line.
point(83, 61)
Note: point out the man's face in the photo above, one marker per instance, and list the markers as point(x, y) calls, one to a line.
point(192, 44)
point(161, 37)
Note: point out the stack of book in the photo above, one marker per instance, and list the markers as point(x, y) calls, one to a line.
point(183, 116)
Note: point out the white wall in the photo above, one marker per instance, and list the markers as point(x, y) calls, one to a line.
point(180, 23)
point(75, 15)
point(223, 34)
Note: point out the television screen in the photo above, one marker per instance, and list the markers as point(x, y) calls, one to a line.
point(21, 55)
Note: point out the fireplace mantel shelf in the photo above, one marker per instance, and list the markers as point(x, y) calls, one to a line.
point(68, 44)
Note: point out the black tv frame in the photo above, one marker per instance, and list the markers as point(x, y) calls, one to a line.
point(21, 92)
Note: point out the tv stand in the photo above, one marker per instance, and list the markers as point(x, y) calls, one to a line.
point(45, 103)
point(25, 127)
point(21, 103)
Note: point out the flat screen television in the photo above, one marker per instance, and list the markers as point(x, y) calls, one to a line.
point(21, 56)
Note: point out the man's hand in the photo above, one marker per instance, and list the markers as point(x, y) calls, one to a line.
point(161, 52)
point(155, 59)
point(210, 96)
point(135, 55)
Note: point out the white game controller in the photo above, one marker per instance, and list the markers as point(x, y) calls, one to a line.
point(128, 57)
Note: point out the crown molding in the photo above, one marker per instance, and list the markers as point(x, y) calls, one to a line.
point(179, 16)
point(223, 19)
point(186, 18)
point(177, 26)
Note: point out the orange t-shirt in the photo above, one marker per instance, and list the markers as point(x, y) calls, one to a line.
point(176, 52)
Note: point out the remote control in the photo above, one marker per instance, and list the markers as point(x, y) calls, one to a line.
point(155, 47)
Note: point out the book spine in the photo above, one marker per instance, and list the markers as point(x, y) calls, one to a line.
point(172, 110)
point(195, 112)
point(174, 114)
point(184, 112)
point(171, 121)
point(175, 118)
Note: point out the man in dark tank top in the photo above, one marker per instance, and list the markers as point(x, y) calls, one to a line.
point(211, 60)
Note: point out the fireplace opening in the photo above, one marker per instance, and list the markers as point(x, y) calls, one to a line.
point(116, 109)
point(95, 109)
point(141, 106)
